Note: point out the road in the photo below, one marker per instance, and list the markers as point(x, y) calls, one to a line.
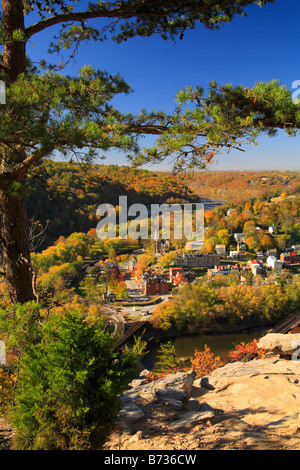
point(118, 314)
point(132, 287)
point(136, 296)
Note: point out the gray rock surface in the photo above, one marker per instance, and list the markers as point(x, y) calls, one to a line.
point(131, 413)
point(242, 405)
point(191, 417)
point(278, 343)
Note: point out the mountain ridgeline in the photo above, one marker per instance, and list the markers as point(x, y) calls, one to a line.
point(68, 194)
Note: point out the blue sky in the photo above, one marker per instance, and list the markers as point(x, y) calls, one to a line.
point(263, 46)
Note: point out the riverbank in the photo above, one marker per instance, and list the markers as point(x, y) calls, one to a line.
point(221, 341)
point(173, 332)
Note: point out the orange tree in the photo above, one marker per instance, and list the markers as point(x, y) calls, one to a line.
point(204, 362)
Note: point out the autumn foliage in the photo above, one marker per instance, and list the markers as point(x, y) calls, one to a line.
point(7, 384)
point(77, 194)
point(225, 301)
point(246, 351)
point(204, 362)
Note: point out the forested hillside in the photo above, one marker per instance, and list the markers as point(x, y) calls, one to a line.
point(241, 186)
point(68, 194)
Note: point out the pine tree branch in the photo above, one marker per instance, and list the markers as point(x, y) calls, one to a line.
point(211, 14)
point(58, 19)
point(122, 12)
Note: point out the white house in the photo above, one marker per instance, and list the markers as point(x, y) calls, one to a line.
point(273, 262)
point(239, 237)
point(272, 229)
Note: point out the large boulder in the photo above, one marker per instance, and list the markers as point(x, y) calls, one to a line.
point(179, 380)
point(283, 344)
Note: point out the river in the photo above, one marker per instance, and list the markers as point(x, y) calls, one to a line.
point(219, 344)
point(210, 204)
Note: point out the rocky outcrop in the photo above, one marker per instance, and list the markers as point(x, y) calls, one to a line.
point(242, 405)
point(171, 394)
point(283, 344)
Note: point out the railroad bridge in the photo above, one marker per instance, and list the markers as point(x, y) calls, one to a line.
point(129, 330)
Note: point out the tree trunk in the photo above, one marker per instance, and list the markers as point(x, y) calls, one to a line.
point(14, 55)
point(14, 227)
point(15, 245)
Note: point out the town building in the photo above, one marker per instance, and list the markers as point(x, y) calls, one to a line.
point(290, 258)
point(174, 270)
point(241, 249)
point(239, 237)
point(221, 249)
point(260, 256)
point(162, 246)
point(189, 276)
point(272, 252)
point(195, 245)
point(274, 263)
point(255, 267)
point(222, 270)
point(285, 258)
point(178, 275)
point(272, 229)
point(181, 278)
point(225, 270)
point(195, 260)
point(155, 285)
point(109, 297)
point(289, 249)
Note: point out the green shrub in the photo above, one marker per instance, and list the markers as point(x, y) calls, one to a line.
point(69, 383)
point(166, 361)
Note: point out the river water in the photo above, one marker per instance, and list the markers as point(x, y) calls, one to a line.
point(219, 344)
point(210, 204)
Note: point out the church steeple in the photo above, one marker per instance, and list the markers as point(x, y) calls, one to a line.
point(156, 243)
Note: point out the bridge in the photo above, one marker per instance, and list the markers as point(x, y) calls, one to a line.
point(130, 329)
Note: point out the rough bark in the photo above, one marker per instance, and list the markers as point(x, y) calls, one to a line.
point(14, 56)
point(14, 227)
point(15, 246)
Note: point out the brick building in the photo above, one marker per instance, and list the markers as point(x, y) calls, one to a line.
point(155, 285)
point(290, 258)
point(174, 271)
point(241, 249)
